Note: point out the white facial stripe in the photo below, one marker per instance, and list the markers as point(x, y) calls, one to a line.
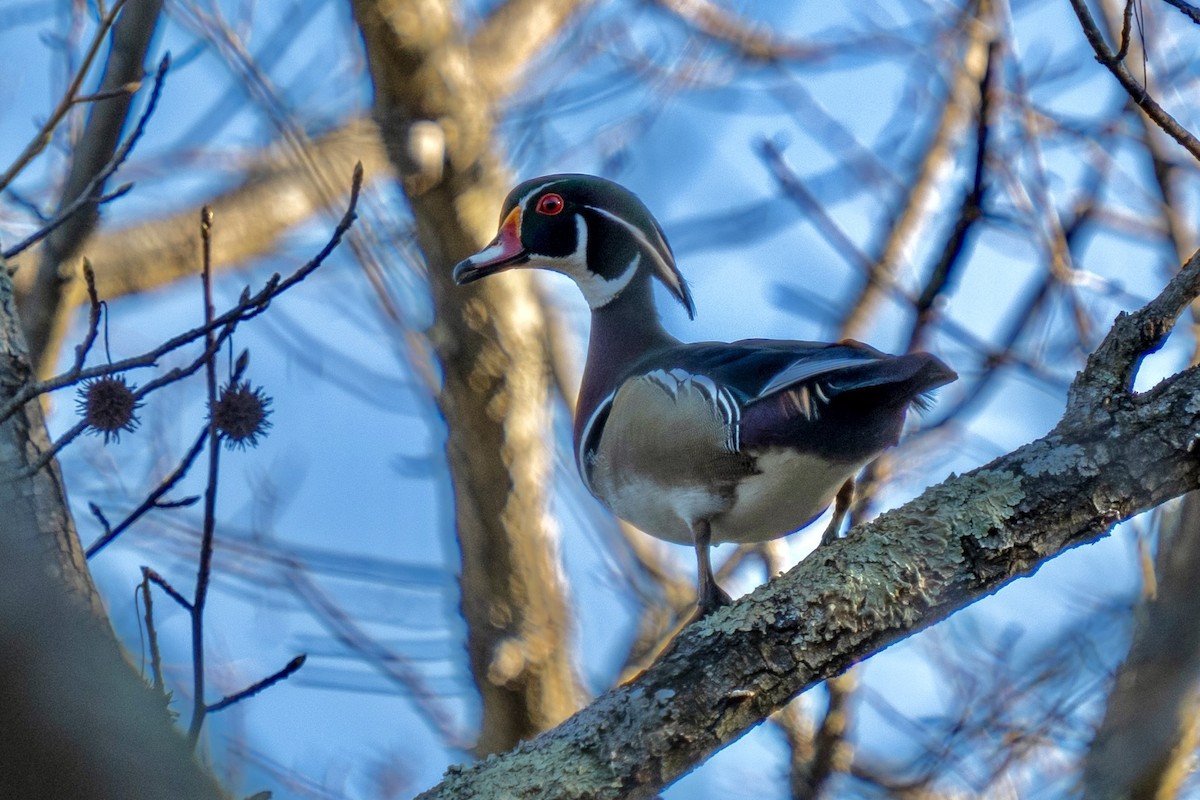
point(536, 190)
point(597, 290)
point(664, 270)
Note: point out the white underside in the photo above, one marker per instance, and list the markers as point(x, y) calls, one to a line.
point(790, 490)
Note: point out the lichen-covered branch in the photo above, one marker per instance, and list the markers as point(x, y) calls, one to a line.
point(910, 568)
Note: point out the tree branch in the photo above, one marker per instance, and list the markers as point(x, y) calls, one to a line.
point(512, 33)
point(913, 211)
point(912, 567)
point(54, 290)
point(1109, 59)
point(71, 706)
point(1107, 378)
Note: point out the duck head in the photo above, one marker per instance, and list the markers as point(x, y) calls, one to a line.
point(593, 230)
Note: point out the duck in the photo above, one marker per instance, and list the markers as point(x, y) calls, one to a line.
point(706, 442)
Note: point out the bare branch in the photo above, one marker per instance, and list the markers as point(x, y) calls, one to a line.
point(1109, 59)
point(969, 213)
point(209, 525)
point(258, 686)
point(1107, 380)
point(913, 208)
point(172, 592)
point(153, 499)
point(1189, 10)
point(250, 306)
point(752, 41)
point(913, 566)
point(512, 35)
point(96, 155)
point(69, 98)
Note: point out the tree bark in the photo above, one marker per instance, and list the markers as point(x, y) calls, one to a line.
point(1144, 746)
point(1113, 456)
point(435, 118)
point(77, 719)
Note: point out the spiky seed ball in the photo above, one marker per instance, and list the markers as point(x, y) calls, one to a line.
point(108, 406)
point(241, 414)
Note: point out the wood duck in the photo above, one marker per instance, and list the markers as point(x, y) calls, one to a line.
point(707, 442)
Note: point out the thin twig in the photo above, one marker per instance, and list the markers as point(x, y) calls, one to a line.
point(45, 135)
point(970, 210)
point(94, 309)
point(1126, 25)
point(794, 188)
point(121, 91)
point(254, 688)
point(162, 583)
point(247, 308)
point(62, 217)
point(1138, 92)
point(208, 531)
point(86, 197)
point(912, 211)
point(160, 685)
point(153, 499)
point(386, 662)
point(1189, 10)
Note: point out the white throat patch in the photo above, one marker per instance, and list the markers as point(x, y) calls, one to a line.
point(597, 290)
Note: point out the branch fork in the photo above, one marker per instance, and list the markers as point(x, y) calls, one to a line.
point(1106, 381)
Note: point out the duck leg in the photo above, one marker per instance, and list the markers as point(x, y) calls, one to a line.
point(710, 596)
point(841, 505)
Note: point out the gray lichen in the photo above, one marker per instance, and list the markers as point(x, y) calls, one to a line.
point(1048, 457)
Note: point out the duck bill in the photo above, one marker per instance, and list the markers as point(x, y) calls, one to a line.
point(504, 252)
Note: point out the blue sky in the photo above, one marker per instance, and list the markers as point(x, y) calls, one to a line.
point(353, 465)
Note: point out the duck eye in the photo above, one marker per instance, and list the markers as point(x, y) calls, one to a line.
point(550, 204)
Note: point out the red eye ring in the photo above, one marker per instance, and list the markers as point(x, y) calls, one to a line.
point(550, 204)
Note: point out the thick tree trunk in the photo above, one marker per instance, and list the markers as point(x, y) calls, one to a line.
point(1145, 745)
point(435, 120)
point(76, 718)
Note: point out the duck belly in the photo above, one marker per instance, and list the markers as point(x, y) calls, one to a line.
point(663, 511)
point(787, 491)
